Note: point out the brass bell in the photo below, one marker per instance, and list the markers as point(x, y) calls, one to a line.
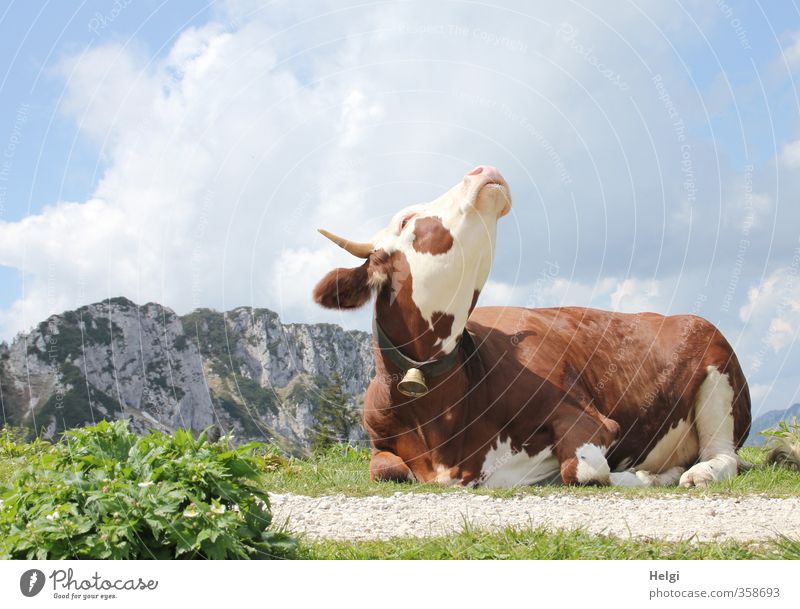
point(413, 384)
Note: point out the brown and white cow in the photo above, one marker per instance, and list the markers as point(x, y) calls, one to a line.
point(522, 396)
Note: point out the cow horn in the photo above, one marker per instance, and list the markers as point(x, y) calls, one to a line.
point(362, 250)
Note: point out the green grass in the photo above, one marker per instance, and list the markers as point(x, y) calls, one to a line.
point(344, 470)
point(340, 469)
point(540, 544)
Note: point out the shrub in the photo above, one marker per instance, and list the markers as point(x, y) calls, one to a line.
point(14, 446)
point(784, 445)
point(104, 492)
point(15, 452)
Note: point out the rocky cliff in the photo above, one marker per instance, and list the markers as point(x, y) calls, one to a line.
point(243, 371)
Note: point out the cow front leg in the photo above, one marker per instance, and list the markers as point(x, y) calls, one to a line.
point(389, 467)
point(581, 444)
point(588, 466)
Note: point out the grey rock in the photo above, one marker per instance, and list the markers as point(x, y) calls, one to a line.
point(242, 371)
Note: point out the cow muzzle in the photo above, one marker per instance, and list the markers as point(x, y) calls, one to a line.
point(493, 194)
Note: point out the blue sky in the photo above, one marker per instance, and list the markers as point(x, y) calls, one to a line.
point(182, 153)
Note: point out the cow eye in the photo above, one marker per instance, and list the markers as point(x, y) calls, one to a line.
point(405, 221)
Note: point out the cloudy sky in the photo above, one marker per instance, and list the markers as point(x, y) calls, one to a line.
point(185, 156)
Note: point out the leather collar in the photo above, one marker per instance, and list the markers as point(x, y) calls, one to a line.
point(430, 368)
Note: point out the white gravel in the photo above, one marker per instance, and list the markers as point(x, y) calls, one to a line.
point(422, 514)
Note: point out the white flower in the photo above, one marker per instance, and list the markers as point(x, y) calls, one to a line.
point(218, 509)
point(191, 511)
point(145, 484)
point(53, 516)
point(235, 508)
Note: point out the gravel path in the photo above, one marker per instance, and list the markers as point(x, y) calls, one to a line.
point(420, 515)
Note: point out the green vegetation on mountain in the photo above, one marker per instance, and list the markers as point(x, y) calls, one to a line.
point(333, 419)
point(76, 402)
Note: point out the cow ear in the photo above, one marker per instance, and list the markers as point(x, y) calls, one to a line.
point(344, 288)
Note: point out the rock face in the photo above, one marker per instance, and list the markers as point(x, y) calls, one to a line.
point(243, 371)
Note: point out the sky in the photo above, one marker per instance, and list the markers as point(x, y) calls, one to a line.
point(184, 154)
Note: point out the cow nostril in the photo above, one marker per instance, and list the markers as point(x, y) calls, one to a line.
point(488, 171)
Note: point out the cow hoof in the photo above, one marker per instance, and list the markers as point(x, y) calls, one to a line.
point(719, 468)
point(667, 478)
point(699, 475)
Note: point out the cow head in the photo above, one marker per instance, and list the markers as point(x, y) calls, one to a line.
point(427, 266)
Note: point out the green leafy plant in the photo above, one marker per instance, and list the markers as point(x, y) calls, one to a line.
point(784, 444)
point(13, 444)
point(271, 459)
point(104, 492)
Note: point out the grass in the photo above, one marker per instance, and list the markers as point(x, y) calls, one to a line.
point(345, 470)
point(341, 469)
point(541, 544)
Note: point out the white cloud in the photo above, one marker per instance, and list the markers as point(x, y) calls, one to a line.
point(356, 113)
point(759, 392)
point(108, 89)
point(187, 181)
point(772, 318)
point(224, 155)
point(790, 154)
point(792, 53)
point(778, 293)
point(498, 293)
point(781, 332)
point(634, 295)
point(626, 295)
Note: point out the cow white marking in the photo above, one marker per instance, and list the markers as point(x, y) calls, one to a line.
point(592, 464)
point(504, 467)
point(713, 419)
point(645, 478)
point(467, 262)
point(676, 447)
point(377, 279)
point(443, 476)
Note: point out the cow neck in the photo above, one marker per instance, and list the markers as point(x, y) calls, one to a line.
point(431, 368)
point(463, 362)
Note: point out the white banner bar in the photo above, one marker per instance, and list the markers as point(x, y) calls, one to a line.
point(399, 584)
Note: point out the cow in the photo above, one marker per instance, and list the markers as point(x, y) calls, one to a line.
point(506, 396)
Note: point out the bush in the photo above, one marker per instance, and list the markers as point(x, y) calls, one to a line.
point(104, 492)
point(15, 452)
point(14, 446)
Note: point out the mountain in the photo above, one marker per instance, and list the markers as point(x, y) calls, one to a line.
point(768, 420)
point(242, 370)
